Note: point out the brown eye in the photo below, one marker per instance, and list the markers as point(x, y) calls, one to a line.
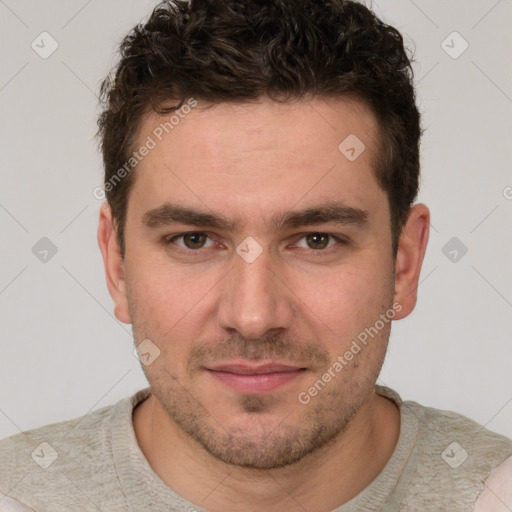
point(194, 240)
point(317, 240)
point(191, 241)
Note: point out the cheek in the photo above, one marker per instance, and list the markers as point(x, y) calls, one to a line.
point(161, 291)
point(168, 305)
point(158, 298)
point(348, 299)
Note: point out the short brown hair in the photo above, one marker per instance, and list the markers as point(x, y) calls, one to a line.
point(239, 50)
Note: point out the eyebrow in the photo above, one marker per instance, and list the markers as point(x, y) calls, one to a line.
point(331, 212)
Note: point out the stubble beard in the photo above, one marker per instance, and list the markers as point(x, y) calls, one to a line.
point(263, 446)
point(300, 429)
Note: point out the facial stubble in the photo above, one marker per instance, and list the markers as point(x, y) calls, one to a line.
point(273, 432)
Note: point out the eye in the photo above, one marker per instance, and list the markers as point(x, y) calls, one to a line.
point(191, 241)
point(319, 241)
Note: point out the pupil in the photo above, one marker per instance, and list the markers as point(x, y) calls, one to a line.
point(315, 238)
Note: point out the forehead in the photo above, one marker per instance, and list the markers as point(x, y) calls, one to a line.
point(316, 125)
point(261, 155)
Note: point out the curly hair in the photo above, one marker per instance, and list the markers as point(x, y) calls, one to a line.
point(239, 50)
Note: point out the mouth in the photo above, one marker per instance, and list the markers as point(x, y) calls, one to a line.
point(255, 379)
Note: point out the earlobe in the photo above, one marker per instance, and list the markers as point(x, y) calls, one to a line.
point(114, 264)
point(411, 251)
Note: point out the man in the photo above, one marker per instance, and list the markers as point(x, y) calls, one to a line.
point(261, 164)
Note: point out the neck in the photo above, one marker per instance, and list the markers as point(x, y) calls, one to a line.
point(322, 481)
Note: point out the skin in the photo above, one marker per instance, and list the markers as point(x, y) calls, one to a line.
point(295, 304)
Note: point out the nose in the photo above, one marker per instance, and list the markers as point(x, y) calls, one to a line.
point(255, 299)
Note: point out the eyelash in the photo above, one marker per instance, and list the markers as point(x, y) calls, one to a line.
point(317, 252)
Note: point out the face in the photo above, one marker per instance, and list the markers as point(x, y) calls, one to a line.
point(256, 253)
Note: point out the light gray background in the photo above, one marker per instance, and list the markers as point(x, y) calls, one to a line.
point(62, 351)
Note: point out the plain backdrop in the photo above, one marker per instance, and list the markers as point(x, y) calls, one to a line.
point(62, 351)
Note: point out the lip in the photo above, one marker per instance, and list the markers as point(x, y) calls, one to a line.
point(250, 378)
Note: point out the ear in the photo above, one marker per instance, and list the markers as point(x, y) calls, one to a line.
point(411, 250)
point(114, 264)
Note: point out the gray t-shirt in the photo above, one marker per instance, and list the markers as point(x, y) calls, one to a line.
point(442, 461)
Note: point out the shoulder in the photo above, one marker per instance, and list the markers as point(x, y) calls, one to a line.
point(453, 457)
point(462, 434)
point(39, 446)
point(40, 464)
